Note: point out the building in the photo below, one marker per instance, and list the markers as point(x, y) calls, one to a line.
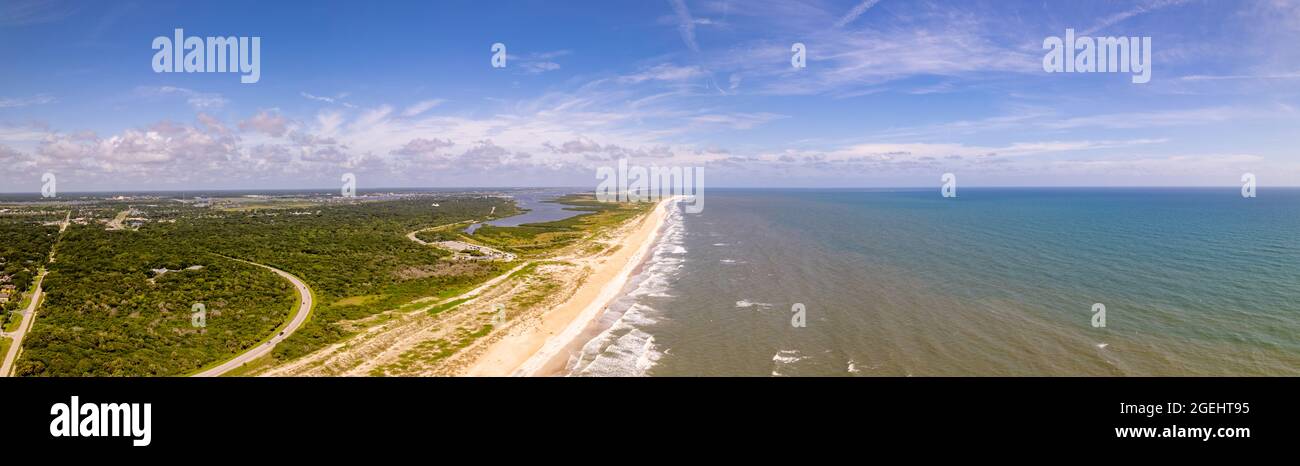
point(7, 292)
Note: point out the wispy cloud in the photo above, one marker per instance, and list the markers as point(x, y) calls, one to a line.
point(941, 86)
point(664, 72)
point(15, 102)
point(421, 107)
point(685, 24)
point(197, 100)
point(737, 120)
point(1142, 7)
point(541, 62)
point(538, 67)
point(28, 12)
point(856, 12)
point(329, 100)
point(1204, 77)
point(1037, 119)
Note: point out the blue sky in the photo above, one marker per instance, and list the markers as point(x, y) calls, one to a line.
point(895, 93)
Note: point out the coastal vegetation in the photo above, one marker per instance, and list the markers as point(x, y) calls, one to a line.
point(25, 245)
point(107, 313)
point(119, 302)
point(536, 238)
point(431, 352)
point(121, 295)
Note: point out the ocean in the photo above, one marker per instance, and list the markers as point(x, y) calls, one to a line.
point(995, 282)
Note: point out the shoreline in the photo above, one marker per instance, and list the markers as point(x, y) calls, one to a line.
point(534, 351)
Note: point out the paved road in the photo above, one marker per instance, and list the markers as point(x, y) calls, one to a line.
point(299, 318)
point(29, 314)
point(17, 336)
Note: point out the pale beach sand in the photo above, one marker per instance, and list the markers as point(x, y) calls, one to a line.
point(540, 349)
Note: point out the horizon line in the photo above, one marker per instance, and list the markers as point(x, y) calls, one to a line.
point(412, 188)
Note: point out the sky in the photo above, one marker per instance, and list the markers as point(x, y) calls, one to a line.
point(405, 94)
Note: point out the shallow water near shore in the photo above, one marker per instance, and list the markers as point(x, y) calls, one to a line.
point(994, 282)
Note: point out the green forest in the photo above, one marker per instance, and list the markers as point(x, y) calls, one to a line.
point(107, 313)
point(120, 295)
point(24, 248)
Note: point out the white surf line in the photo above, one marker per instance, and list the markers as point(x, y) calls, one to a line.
point(608, 293)
point(304, 310)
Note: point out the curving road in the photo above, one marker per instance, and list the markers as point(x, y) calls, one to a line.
point(300, 317)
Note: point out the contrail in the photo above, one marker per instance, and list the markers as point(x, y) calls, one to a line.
point(1140, 9)
point(685, 24)
point(856, 12)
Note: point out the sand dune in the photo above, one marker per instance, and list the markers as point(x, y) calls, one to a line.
point(538, 350)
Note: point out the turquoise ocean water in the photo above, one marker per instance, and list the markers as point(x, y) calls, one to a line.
point(993, 282)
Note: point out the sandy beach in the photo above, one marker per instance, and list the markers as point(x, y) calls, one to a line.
point(540, 350)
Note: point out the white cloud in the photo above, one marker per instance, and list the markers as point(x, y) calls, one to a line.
point(269, 122)
point(421, 107)
point(552, 145)
point(329, 121)
point(421, 146)
point(845, 62)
